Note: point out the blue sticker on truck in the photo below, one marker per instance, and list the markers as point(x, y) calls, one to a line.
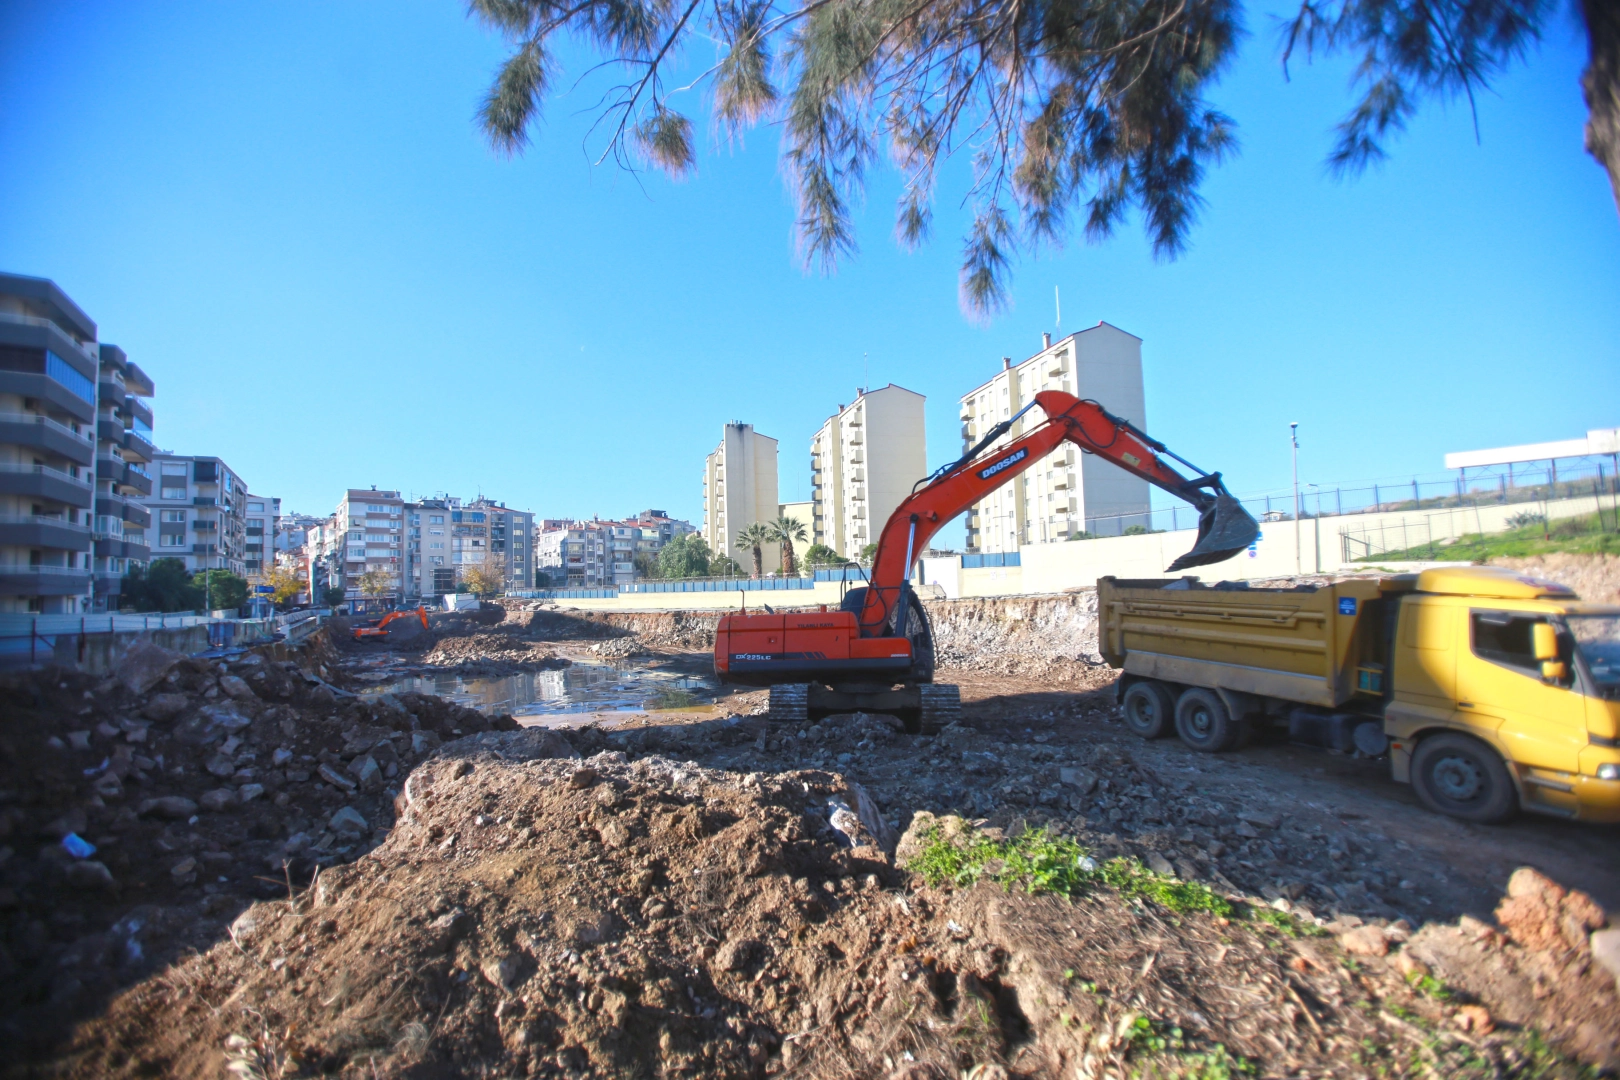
point(1347, 605)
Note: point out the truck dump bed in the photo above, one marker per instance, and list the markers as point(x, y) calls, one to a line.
point(1302, 645)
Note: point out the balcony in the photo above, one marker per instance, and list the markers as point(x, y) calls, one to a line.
point(119, 507)
point(18, 579)
point(203, 549)
point(43, 433)
point(123, 475)
point(205, 526)
point(44, 482)
point(139, 445)
point(204, 500)
point(112, 547)
point(43, 531)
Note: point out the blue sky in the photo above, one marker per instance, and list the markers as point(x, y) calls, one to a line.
point(284, 213)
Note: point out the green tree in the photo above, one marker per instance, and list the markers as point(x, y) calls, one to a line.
point(221, 590)
point(285, 583)
point(684, 557)
point(646, 564)
point(787, 531)
point(334, 595)
point(1073, 112)
point(818, 555)
point(753, 539)
point(725, 566)
point(482, 579)
point(164, 585)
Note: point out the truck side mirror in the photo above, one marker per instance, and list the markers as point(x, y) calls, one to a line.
point(1543, 641)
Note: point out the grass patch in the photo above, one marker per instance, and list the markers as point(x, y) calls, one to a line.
point(1038, 862)
point(1585, 534)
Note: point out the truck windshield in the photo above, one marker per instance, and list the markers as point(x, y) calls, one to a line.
point(1598, 639)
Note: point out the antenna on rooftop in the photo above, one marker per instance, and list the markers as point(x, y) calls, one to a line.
point(1057, 299)
point(866, 373)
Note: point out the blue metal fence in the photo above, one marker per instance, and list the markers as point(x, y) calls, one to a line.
point(780, 584)
point(994, 558)
point(841, 573)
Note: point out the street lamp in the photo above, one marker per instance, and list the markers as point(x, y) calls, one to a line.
point(1293, 437)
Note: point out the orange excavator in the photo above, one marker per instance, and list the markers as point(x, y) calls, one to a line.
point(396, 625)
point(876, 653)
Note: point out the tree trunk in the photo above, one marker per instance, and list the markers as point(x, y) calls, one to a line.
point(1600, 84)
point(759, 561)
point(788, 566)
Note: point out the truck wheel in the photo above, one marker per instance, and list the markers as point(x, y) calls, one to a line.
point(1462, 777)
point(1203, 722)
point(1149, 708)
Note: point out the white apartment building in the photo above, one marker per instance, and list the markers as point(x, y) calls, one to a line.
point(1066, 493)
point(446, 536)
point(739, 489)
point(599, 554)
point(368, 534)
point(863, 463)
point(199, 513)
point(262, 520)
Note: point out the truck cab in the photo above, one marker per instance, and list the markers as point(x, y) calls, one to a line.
point(1515, 664)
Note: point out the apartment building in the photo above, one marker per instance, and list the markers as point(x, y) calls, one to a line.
point(739, 489)
point(199, 512)
point(368, 534)
point(49, 362)
point(1066, 493)
point(511, 540)
point(863, 463)
point(124, 456)
point(292, 530)
point(446, 536)
point(599, 554)
point(263, 520)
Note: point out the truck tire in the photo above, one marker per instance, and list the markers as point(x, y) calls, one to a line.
point(1203, 722)
point(1462, 777)
point(1150, 708)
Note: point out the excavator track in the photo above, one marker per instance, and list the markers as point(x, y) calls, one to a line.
point(940, 707)
point(790, 703)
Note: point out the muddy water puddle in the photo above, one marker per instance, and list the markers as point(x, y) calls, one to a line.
point(560, 698)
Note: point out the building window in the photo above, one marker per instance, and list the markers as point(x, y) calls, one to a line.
point(172, 540)
point(174, 515)
point(436, 519)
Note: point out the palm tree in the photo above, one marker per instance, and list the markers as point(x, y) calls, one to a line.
point(754, 538)
point(786, 530)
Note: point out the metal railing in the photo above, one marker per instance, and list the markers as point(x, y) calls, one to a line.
point(89, 352)
point(43, 519)
point(44, 470)
point(46, 422)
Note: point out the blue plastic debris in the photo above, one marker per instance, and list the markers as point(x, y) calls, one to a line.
point(77, 846)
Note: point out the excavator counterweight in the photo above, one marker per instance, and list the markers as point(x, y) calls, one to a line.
point(876, 653)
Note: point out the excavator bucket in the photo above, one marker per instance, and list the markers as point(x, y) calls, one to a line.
point(1224, 529)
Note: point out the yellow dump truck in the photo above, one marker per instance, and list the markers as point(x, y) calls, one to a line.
point(1488, 689)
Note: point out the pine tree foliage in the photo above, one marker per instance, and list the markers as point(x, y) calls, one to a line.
point(1073, 114)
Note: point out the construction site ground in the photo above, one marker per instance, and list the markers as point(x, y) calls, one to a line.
point(414, 890)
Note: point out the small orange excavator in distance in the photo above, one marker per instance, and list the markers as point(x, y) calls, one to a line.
point(876, 653)
point(396, 625)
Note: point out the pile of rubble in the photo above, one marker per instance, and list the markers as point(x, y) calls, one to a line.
point(538, 913)
point(1053, 638)
point(136, 811)
point(490, 653)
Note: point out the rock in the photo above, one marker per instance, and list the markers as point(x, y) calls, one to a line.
point(144, 666)
point(90, 874)
point(220, 765)
point(280, 757)
point(1245, 830)
point(447, 929)
point(79, 740)
point(1365, 941)
point(210, 722)
point(246, 927)
point(423, 741)
point(924, 829)
point(614, 834)
point(335, 778)
point(218, 799)
point(583, 777)
point(1084, 780)
point(173, 807)
point(1538, 913)
point(506, 971)
point(1410, 966)
point(109, 786)
point(349, 821)
point(1260, 819)
point(248, 792)
point(1474, 1019)
point(184, 871)
point(1160, 865)
point(164, 706)
point(739, 954)
point(236, 687)
point(1606, 951)
point(366, 773)
point(871, 818)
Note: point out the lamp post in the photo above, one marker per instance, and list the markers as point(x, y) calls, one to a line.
point(1293, 438)
point(1316, 526)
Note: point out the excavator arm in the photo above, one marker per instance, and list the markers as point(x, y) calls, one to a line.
point(1224, 527)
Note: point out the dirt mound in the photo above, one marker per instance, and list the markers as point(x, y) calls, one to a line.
point(536, 913)
point(1593, 577)
point(198, 785)
point(1050, 637)
point(490, 654)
